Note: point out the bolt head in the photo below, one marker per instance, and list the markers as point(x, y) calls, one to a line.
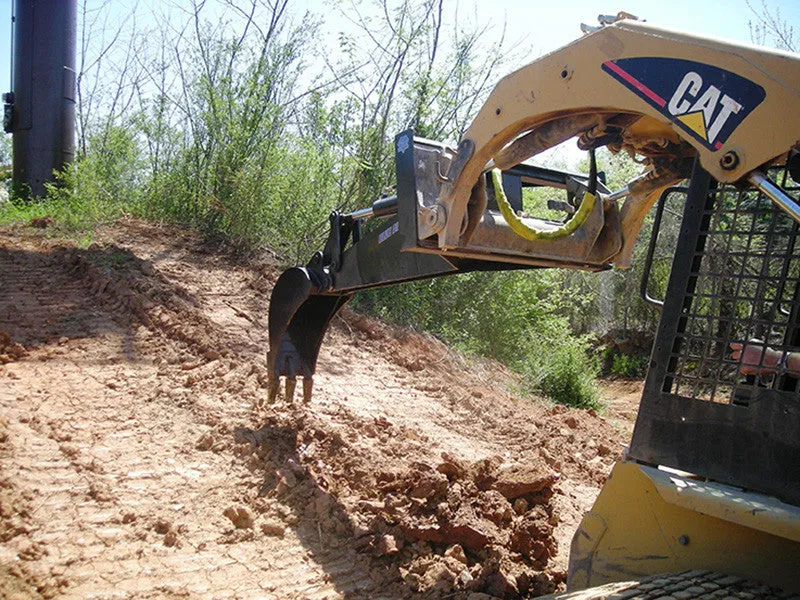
point(729, 161)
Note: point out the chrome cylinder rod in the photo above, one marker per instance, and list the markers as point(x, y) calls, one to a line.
point(618, 195)
point(383, 207)
point(775, 193)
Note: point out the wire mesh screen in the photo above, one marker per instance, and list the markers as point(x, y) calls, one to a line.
point(721, 396)
point(738, 326)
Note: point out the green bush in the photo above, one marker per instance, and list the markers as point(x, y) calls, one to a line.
point(513, 317)
point(567, 375)
point(629, 365)
point(99, 187)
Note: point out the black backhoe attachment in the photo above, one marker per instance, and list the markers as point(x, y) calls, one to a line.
point(627, 86)
point(306, 299)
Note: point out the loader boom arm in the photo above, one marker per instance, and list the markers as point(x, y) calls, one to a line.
point(717, 97)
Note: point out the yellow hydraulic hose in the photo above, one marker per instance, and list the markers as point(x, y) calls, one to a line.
point(531, 233)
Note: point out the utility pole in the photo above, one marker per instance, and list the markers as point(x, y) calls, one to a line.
point(40, 110)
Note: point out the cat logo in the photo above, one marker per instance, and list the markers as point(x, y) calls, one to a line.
point(707, 102)
point(705, 113)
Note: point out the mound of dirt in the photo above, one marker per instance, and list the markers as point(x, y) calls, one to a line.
point(139, 460)
point(576, 443)
point(132, 290)
point(442, 526)
point(9, 350)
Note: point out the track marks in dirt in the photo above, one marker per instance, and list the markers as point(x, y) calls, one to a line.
point(132, 431)
point(101, 436)
point(124, 506)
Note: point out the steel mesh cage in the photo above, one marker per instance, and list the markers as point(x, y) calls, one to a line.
point(735, 279)
point(746, 279)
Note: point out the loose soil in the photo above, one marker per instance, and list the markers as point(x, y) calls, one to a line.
point(138, 458)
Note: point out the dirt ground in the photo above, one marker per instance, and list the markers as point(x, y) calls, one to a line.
point(138, 460)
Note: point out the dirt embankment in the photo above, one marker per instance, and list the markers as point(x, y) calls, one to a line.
point(137, 460)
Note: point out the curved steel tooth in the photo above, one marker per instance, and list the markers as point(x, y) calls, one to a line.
point(291, 383)
point(273, 386)
point(308, 384)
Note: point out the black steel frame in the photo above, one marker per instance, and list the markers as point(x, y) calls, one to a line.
point(735, 277)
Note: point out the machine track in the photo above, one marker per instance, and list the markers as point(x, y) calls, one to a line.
point(686, 585)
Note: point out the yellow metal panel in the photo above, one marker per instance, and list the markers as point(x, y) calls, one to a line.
point(757, 511)
point(648, 527)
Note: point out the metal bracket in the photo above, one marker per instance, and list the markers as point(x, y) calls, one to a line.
point(8, 112)
point(341, 228)
point(451, 156)
point(648, 261)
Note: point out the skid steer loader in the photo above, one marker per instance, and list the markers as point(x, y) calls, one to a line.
point(710, 486)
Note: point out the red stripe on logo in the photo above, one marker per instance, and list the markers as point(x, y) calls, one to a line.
point(636, 83)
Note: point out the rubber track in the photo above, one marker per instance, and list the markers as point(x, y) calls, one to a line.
point(687, 585)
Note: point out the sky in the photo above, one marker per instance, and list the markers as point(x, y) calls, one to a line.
point(537, 26)
point(550, 24)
